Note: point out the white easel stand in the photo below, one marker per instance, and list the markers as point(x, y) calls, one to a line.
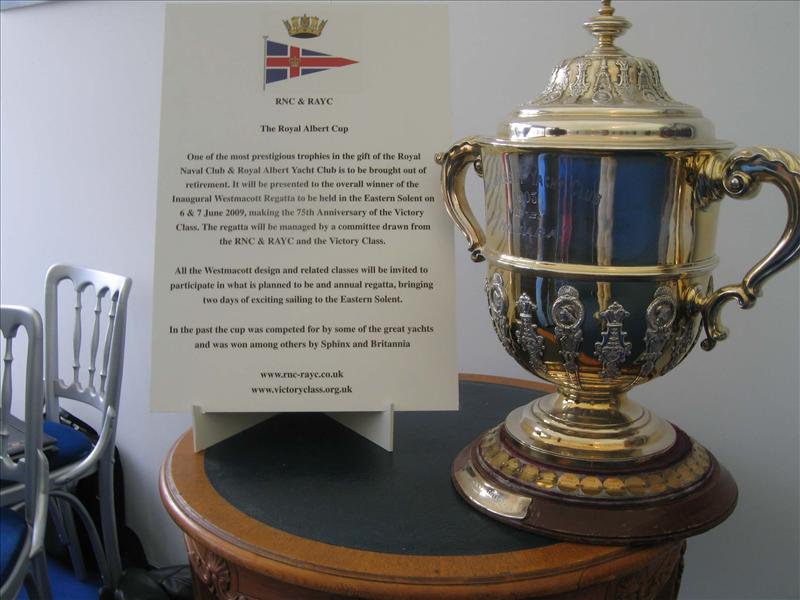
point(210, 428)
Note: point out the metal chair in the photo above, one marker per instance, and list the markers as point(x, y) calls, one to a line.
point(97, 384)
point(22, 558)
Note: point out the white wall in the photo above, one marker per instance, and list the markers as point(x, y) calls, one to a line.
point(81, 95)
point(79, 144)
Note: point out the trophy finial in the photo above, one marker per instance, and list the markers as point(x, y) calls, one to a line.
point(606, 28)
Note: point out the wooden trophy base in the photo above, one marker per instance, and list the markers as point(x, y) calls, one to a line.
point(679, 494)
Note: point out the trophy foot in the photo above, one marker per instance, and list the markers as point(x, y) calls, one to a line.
point(605, 429)
point(670, 494)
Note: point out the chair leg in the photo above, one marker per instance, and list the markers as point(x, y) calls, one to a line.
point(29, 583)
point(108, 517)
point(56, 510)
point(54, 513)
point(73, 542)
point(41, 580)
point(91, 531)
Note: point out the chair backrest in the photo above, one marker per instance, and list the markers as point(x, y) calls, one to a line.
point(12, 319)
point(98, 381)
point(31, 469)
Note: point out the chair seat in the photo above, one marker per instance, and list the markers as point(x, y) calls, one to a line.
point(12, 533)
point(71, 445)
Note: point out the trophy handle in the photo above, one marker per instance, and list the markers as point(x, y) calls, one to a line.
point(454, 163)
point(740, 176)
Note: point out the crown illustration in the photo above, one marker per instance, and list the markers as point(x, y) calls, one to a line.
point(305, 26)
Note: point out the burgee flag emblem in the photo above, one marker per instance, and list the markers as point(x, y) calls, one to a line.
point(282, 61)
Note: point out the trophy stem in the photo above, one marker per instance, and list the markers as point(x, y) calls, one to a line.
point(603, 405)
point(587, 427)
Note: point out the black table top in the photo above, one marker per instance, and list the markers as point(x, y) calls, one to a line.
point(306, 474)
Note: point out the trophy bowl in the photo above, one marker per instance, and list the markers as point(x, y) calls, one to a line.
point(602, 198)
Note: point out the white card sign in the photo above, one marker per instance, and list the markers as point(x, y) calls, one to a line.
point(302, 260)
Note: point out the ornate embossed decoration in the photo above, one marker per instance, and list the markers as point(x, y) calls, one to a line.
point(655, 77)
point(568, 313)
point(683, 342)
point(660, 317)
point(556, 86)
point(526, 333)
point(621, 79)
point(494, 452)
point(649, 583)
point(498, 310)
point(603, 92)
point(649, 83)
point(580, 84)
point(212, 571)
point(613, 349)
point(623, 83)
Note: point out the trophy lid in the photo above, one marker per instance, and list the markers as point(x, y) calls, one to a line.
point(607, 98)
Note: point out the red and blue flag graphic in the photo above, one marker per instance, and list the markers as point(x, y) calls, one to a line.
point(282, 61)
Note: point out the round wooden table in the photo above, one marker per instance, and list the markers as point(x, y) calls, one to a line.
point(300, 507)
